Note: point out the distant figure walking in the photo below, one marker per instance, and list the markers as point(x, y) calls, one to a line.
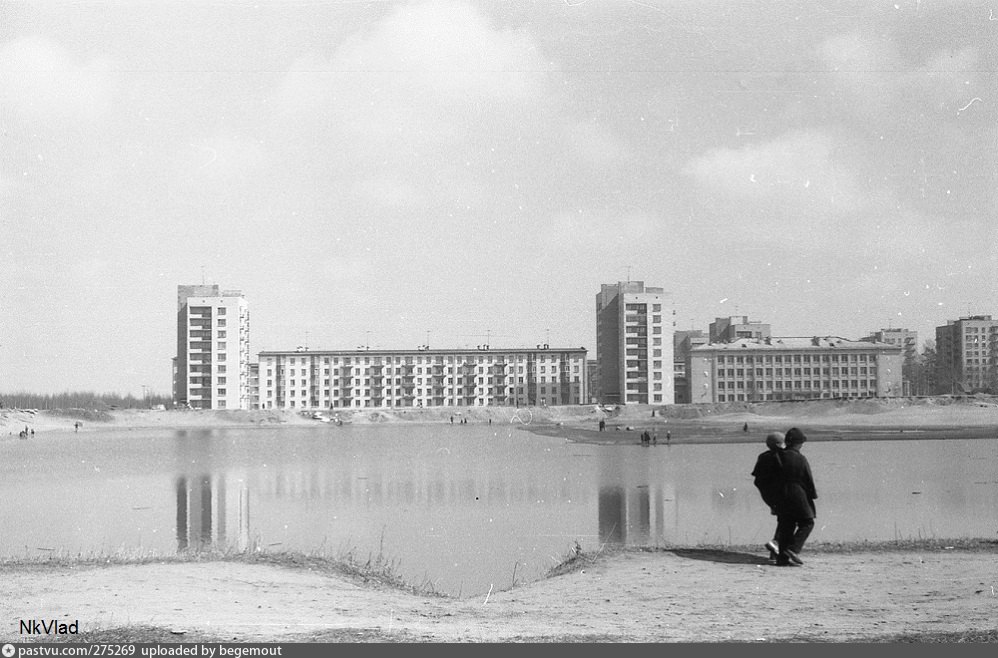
point(768, 474)
point(602, 424)
point(452, 420)
point(795, 509)
point(654, 438)
point(745, 427)
point(668, 437)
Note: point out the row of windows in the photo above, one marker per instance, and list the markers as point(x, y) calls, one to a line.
point(419, 392)
point(414, 360)
point(418, 371)
point(797, 372)
point(421, 381)
point(204, 369)
point(796, 358)
point(460, 402)
point(812, 385)
point(741, 397)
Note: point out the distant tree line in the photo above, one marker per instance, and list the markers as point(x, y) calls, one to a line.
point(81, 400)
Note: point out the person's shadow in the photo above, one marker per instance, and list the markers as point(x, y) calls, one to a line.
point(718, 555)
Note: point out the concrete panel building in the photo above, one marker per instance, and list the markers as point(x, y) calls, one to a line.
point(736, 327)
point(368, 378)
point(907, 340)
point(634, 344)
point(682, 342)
point(967, 355)
point(793, 368)
point(211, 369)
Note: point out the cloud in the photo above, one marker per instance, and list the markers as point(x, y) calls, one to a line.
point(798, 170)
point(436, 107)
point(40, 80)
point(879, 84)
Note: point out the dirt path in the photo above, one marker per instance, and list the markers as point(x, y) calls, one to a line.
point(693, 595)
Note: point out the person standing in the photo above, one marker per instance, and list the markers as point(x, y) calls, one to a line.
point(768, 474)
point(795, 509)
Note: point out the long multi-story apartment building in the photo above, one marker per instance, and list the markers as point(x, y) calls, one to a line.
point(794, 368)
point(634, 344)
point(967, 355)
point(350, 379)
point(211, 369)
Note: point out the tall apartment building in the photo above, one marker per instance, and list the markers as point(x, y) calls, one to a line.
point(211, 369)
point(967, 355)
point(793, 368)
point(349, 379)
point(634, 344)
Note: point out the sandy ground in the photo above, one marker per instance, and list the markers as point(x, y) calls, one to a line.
point(824, 419)
point(681, 595)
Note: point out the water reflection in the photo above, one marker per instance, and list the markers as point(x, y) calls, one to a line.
point(461, 506)
point(210, 514)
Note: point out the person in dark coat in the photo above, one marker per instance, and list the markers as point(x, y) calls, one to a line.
point(768, 474)
point(795, 510)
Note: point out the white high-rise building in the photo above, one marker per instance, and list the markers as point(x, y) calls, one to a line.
point(634, 344)
point(211, 369)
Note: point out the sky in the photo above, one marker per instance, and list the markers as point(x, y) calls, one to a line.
point(395, 174)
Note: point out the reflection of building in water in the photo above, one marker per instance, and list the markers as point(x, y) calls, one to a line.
point(636, 515)
point(210, 514)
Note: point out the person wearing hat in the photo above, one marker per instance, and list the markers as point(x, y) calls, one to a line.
point(795, 510)
point(768, 480)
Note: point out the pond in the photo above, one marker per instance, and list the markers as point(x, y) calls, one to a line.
point(464, 507)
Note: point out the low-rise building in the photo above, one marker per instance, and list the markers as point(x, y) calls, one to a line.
point(794, 368)
point(369, 378)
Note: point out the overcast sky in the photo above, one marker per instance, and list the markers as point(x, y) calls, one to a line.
point(385, 173)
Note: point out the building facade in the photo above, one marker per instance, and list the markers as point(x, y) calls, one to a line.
point(211, 369)
point(367, 378)
point(967, 355)
point(682, 342)
point(793, 368)
point(634, 344)
point(907, 340)
point(736, 327)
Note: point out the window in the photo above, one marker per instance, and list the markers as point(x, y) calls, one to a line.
point(221, 368)
point(221, 391)
point(221, 322)
point(221, 333)
point(221, 310)
point(221, 345)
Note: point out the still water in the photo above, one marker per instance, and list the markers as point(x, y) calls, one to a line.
point(462, 507)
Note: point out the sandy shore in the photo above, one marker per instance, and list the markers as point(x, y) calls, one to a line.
point(820, 420)
point(661, 595)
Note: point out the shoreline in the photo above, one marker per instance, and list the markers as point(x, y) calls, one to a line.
point(929, 590)
point(826, 420)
